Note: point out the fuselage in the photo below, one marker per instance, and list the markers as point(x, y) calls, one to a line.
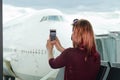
point(24, 42)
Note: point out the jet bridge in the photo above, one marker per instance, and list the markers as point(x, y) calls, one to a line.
point(108, 46)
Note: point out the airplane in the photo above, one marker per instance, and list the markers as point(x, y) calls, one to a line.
point(24, 44)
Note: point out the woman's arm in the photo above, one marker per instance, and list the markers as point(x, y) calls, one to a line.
point(59, 61)
point(49, 47)
point(58, 45)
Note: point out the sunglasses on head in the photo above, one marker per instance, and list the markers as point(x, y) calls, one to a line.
point(75, 21)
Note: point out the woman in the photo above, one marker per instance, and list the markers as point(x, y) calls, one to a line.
point(82, 62)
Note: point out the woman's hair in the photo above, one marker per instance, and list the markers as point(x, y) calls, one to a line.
point(84, 35)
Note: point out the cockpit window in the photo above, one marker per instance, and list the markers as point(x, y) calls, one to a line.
point(44, 19)
point(52, 18)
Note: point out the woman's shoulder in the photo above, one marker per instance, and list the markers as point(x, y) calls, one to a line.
point(69, 49)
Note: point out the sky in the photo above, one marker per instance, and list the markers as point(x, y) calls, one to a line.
point(104, 14)
point(70, 6)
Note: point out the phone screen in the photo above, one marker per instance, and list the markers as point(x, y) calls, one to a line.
point(52, 34)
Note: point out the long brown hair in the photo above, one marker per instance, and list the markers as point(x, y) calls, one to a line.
point(84, 35)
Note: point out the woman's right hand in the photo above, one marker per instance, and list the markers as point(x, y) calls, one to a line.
point(58, 45)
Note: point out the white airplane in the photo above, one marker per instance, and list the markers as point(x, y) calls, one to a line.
point(24, 44)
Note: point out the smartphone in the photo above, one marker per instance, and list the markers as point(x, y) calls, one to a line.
point(52, 34)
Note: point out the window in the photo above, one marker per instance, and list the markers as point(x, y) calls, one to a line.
point(52, 18)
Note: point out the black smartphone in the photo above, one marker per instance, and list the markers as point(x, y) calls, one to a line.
point(52, 34)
